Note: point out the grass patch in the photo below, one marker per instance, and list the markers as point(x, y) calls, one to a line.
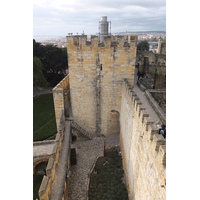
point(37, 180)
point(44, 123)
point(107, 182)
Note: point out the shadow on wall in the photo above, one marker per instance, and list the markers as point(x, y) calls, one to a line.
point(113, 122)
point(40, 169)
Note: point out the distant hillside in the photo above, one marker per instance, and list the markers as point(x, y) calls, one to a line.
point(138, 32)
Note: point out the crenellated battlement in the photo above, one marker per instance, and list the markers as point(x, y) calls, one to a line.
point(140, 112)
point(141, 143)
point(109, 41)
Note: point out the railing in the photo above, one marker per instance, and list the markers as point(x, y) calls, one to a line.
point(81, 130)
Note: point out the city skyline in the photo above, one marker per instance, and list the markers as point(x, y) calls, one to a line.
point(63, 17)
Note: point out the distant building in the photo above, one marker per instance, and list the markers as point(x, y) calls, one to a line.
point(161, 46)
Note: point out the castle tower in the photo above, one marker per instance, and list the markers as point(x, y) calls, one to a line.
point(159, 46)
point(96, 72)
point(103, 28)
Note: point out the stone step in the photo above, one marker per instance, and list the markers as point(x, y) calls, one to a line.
point(81, 130)
point(69, 118)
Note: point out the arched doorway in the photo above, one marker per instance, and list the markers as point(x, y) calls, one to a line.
point(40, 169)
point(113, 123)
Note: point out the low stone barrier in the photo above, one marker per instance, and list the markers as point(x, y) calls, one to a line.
point(155, 105)
point(45, 187)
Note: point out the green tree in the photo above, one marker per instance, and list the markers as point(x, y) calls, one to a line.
point(143, 45)
point(38, 49)
point(38, 77)
point(54, 61)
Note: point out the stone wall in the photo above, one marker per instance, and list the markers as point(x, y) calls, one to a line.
point(163, 48)
point(61, 98)
point(96, 72)
point(156, 67)
point(42, 158)
point(143, 149)
point(157, 99)
point(160, 70)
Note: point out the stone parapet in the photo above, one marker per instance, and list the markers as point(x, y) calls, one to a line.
point(45, 187)
point(43, 142)
point(61, 98)
point(109, 41)
point(155, 105)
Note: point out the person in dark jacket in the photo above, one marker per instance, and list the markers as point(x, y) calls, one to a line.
point(139, 75)
point(163, 130)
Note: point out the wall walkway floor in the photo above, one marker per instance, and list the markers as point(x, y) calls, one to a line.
point(144, 100)
point(57, 185)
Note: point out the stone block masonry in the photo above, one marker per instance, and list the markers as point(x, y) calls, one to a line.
point(61, 98)
point(143, 149)
point(96, 73)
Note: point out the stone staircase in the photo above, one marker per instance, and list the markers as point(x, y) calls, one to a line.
point(82, 131)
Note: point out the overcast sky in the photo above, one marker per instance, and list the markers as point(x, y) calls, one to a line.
point(59, 17)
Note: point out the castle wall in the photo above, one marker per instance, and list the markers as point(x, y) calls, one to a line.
point(157, 63)
point(160, 68)
point(96, 72)
point(61, 98)
point(46, 184)
point(143, 149)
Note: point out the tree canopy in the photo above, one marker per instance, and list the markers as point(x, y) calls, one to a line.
point(143, 45)
point(54, 61)
point(38, 77)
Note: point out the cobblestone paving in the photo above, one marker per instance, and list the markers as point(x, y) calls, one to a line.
point(87, 152)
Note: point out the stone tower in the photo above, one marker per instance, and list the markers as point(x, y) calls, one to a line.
point(159, 46)
point(96, 72)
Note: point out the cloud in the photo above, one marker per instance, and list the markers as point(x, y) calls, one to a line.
point(61, 16)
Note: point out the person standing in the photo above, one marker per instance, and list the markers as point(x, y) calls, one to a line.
point(139, 74)
point(159, 126)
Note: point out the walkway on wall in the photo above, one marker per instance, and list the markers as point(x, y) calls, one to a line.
point(43, 148)
point(144, 100)
point(57, 186)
